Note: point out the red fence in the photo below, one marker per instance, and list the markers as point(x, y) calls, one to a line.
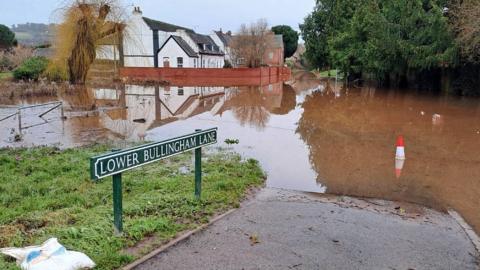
point(208, 76)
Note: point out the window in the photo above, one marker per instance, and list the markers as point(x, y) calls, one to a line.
point(180, 62)
point(194, 62)
point(270, 55)
point(180, 91)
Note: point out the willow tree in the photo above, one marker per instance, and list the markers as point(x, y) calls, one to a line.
point(86, 24)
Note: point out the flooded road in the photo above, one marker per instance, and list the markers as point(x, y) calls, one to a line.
point(309, 135)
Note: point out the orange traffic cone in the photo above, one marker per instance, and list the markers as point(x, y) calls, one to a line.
point(400, 154)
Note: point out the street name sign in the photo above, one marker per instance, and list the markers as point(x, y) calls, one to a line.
point(116, 162)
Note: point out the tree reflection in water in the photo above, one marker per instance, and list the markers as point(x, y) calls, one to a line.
point(248, 106)
point(253, 105)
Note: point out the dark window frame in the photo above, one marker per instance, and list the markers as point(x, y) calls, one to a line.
point(180, 62)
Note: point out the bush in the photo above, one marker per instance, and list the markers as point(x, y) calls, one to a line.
point(227, 64)
point(31, 69)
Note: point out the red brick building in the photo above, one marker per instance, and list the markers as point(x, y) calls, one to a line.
point(274, 56)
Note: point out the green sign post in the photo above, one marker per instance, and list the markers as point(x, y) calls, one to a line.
point(113, 164)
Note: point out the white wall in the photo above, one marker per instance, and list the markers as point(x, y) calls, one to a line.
point(220, 44)
point(138, 43)
point(172, 50)
point(212, 61)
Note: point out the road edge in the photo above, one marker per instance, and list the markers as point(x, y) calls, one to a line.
point(470, 233)
point(177, 240)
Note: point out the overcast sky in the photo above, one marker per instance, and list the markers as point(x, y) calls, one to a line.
point(200, 15)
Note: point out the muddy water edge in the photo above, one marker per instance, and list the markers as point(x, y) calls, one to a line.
point(308, 134)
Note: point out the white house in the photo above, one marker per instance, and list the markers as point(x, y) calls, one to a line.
point(143, 38)
point(152, 43)
point(189, 49)
point(176, 52)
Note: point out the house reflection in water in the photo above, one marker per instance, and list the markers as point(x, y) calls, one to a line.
point(142, 108)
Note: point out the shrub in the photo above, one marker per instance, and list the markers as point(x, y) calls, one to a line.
point(227, 64)
point(31, 69)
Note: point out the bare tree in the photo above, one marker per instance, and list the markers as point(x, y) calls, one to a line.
point(14, 57)
point(466, 23)
point(251, 43)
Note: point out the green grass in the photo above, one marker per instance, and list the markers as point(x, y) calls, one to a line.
point(329, 73)
point(6, 75)
point(46, 192)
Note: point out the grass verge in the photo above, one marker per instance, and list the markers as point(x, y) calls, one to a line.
point(6, 75)
point(46, 192)
point(330, 74)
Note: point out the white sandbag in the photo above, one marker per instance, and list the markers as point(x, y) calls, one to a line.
point(51, 255)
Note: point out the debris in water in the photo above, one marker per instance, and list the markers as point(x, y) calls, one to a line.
point(437, 119)
point(254, 239)
point(232, 141)
point(17, 137)
point(141, 120)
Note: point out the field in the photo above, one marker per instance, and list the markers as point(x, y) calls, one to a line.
point(5, 75)
point(46, 192)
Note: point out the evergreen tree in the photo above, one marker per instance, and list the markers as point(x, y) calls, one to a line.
point(7, 37)
point(380, 39)
point(290, 39)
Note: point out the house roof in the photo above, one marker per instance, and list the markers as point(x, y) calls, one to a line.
point(225, 38)
point(163, 26)
point(207, 40)
point(183, 44)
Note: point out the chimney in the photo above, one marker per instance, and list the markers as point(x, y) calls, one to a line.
point(137, 11)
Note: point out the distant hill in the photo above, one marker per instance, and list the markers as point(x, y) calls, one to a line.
point(34, 34)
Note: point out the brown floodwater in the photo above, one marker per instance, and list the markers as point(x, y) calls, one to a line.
point(309, 135)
